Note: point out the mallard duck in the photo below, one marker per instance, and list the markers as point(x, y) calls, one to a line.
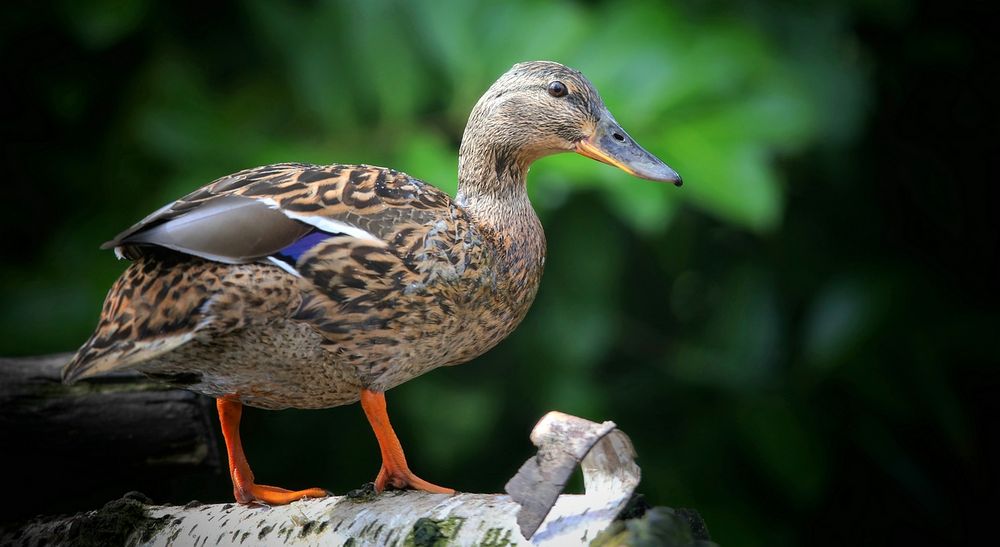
point(309, 286)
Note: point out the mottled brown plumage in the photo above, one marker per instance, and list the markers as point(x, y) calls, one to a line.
point(364, 313)
point(304, 286)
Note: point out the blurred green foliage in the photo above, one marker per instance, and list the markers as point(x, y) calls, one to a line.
point(773, 355)
point(391, 83)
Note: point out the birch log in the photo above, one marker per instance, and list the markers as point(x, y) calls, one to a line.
point(398, 518)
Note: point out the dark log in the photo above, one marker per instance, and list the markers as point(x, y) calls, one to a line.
point(69, 448)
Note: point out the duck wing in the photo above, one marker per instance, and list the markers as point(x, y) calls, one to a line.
point(255, 214)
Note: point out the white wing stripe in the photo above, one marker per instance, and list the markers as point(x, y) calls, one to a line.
point(284, 266)
point(327, 225)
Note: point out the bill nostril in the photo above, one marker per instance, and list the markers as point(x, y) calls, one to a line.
point(618, 137)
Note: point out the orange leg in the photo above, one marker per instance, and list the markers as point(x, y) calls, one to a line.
point(394, 470)
point(243, 486)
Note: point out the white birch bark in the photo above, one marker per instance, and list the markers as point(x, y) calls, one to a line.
point(535, 508)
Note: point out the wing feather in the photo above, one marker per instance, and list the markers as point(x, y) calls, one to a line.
point(230, 229)
point(253, 214)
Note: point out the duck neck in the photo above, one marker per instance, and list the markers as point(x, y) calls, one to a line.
point(492, 190)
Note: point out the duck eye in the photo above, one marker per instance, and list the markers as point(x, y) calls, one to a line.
point(558, 89)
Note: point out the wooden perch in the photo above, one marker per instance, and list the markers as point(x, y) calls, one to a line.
point(403, 518)
point(85, 441)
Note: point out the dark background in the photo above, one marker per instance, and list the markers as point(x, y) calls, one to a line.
point(801, 341)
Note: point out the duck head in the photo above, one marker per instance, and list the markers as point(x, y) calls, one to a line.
point(541, 108)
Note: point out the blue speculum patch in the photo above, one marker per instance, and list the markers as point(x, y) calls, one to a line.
point(293, 252)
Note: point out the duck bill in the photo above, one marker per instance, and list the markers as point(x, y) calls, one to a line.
point(610, 144)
